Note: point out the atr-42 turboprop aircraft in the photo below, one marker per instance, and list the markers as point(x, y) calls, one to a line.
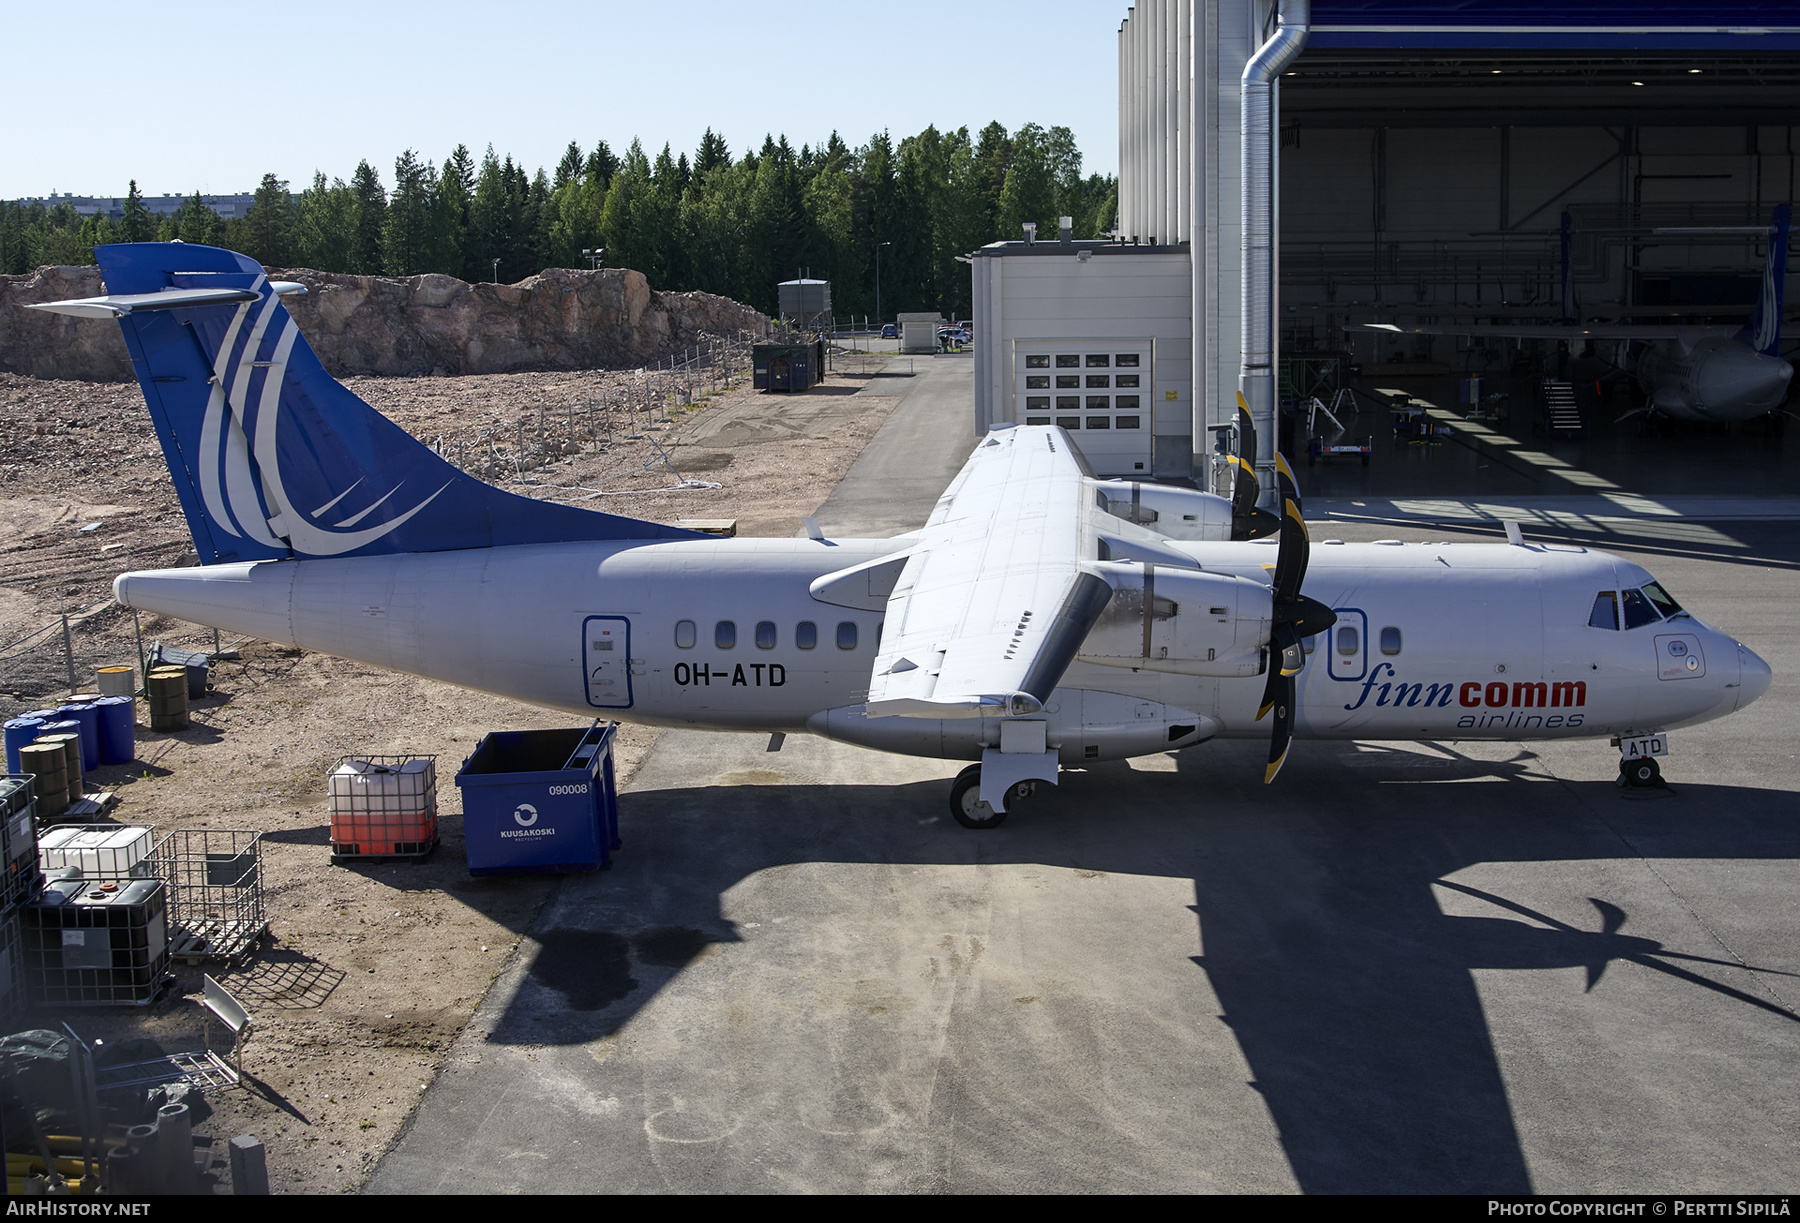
point(1697, 373)
point(1041, 617)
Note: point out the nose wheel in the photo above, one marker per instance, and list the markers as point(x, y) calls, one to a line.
point(1640, 775)
point(967, 808)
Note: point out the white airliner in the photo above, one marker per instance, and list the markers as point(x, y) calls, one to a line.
point(1694, 373)
point(1041, 617)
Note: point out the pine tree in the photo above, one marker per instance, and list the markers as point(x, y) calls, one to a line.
point(268, 223)
point(199, 224)
point(371, 220)
point(137, 225)
point(570, 167)
point(407, 235)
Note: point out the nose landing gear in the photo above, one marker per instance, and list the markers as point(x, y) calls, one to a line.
point(1638, 769)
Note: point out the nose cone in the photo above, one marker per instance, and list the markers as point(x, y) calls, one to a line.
point(1754, 675)
point(1738, 382)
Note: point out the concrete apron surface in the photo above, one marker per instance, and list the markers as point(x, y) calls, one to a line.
point(1404, 967)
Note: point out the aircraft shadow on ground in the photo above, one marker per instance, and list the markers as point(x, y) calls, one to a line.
point(1346, 985)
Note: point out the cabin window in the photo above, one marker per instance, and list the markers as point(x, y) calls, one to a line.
point(1606, 610)
point(765, 635)
point(1307, 643)
point(725, 634)
point(1349, 641)
point(684, 635)
point(1664, 604)
point(1390, 640)
point(1638, 611)
point(847, 635)
point(806, 634)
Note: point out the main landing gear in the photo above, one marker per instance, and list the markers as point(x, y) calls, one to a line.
point(966, 805)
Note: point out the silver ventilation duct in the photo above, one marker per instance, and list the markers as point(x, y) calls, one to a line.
point(1256, 376)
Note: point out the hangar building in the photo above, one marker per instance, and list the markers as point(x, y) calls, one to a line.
point(1428, 158)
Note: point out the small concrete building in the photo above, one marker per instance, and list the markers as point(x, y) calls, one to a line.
point(1094, 337)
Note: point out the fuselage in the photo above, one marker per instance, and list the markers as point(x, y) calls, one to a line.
point(1450, 641)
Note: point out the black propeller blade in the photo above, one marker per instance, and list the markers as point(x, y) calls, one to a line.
point(1247, 522)
point(1296, 618)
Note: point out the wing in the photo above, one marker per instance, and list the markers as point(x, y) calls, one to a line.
point(1603, 331)
point(994, 599)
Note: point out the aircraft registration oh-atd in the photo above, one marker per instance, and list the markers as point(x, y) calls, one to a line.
point(1040, 617)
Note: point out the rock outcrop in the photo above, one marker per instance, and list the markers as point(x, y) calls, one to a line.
point(561, 318)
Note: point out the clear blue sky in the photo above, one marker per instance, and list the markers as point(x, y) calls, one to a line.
point(189, 98)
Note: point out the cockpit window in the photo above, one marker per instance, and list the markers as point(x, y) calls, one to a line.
point(1606, 610)
point(1638, 611)
point(1664, 604)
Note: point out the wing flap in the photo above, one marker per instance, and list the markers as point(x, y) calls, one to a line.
point(992, 605)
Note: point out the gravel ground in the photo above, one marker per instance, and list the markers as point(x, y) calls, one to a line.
point(371, 970)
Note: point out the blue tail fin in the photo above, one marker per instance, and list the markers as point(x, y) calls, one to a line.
point(274, 458)
point(1763, 331)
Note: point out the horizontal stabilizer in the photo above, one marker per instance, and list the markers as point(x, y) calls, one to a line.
point(119, 305)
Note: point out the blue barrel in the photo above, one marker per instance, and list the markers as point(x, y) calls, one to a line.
point(89, 719)
point(19, 732)
point(118, 729)
point(42, 715)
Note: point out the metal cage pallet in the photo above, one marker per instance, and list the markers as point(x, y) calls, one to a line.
point(383, 808)
point(20, 879)
point(98, 947)
point(215, 880)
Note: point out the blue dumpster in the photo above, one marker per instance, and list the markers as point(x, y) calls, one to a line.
point(540, 801)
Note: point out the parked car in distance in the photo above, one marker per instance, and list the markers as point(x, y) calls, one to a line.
point(890, 331)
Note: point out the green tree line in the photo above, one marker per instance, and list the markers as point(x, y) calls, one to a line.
point(730, 225)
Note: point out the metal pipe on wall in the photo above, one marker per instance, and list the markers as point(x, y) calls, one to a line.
point(1120, 223)
point(1256, 372)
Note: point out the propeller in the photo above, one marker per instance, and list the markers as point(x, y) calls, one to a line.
point(1247, 522)
point(1296, 618)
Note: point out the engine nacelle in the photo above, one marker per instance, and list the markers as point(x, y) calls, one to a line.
point(1184, 621)
point(1173, 513)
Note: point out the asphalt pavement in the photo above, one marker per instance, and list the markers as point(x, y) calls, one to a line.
point(1460, 968)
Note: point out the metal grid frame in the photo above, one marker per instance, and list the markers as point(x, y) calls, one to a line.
point(20, 878)
point(369, 823)
point(136, 933)
point(13, 995)
point(215, 878)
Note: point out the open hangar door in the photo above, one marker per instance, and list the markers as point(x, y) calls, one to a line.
point(1513, 167)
